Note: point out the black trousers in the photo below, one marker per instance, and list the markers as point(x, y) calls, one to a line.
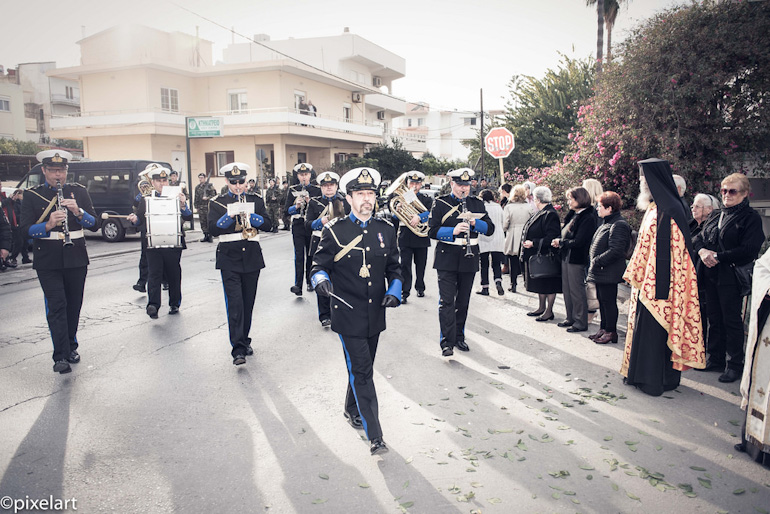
point(607, 294)
point(324, 307)
point(725, 336)
point(454, 289)
point(143, 269)
point(650, 367)
point(361, 396)
point(514, 266)
point(420, 258)
point(240, 293)
point(19, 245)
point(497, 266)
point(63, 291)
point(302, 258)
point(164, 263)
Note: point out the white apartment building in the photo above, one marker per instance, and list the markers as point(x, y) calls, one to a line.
point(139, 85)
point(440, 132)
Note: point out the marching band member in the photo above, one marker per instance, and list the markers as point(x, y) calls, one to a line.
point(355, 257)
point(162, 263)
point(239, 254)
point(411, 246)
point(320, 211)
point(456, 221)
point(297, 198)
point(54, 215)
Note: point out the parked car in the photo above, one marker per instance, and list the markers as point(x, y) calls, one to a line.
point(112, 186)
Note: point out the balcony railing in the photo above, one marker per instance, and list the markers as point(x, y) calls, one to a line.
point(63, 100)
point(276, 116)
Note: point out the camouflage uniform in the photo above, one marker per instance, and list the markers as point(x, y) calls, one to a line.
point(207, 190)
point(274, 199)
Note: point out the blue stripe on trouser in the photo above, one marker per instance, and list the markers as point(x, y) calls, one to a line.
point(352, 384)
point(227, 309)
point(46, 317)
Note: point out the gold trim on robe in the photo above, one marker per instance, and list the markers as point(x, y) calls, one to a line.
point(679, 314)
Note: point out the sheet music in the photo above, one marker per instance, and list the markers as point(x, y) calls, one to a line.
point(171, 191)
point(236, 208)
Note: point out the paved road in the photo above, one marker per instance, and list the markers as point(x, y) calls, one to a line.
point(157, 419)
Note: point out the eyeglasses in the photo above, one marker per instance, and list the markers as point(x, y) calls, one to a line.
point(236, 181)
point(730, 192)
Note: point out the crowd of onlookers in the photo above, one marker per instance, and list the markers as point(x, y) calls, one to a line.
point(11, 211)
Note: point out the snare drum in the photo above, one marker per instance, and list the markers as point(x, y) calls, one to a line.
point(164, 224)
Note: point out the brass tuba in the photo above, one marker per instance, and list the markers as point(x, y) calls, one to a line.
point(144, 185)
point(405, 204)
point(248, 231)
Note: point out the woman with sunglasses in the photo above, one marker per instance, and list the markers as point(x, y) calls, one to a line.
point(730, 237)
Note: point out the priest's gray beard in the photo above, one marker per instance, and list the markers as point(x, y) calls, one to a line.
point(645, 196)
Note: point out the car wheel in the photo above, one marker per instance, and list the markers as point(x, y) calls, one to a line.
point(112, 230)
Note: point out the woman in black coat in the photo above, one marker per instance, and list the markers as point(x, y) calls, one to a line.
point(730, 237)
point(575, 241)
point(538, 233)
point(608, 263)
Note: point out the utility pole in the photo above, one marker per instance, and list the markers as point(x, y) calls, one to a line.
point(481, 132)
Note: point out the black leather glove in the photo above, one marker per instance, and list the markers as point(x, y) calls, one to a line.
point(324, 288)
point(390, 301)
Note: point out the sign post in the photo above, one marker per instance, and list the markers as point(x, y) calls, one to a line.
point(499, 143)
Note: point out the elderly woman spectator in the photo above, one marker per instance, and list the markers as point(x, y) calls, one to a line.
point(575, 242)
point(702, 207)
point(729, 238)
point(515, 216)
point(607, 263)
point(537, 235)
point(595, 190)
point(492, 246)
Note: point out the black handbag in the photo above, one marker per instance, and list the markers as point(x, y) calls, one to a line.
point(544, 265)
point(744, 275)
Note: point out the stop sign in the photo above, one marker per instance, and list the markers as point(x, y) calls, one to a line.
point(499, 142)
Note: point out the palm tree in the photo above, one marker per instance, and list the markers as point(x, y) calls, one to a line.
point(606, 13)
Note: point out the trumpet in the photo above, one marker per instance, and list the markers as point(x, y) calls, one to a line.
point(65, 227)
point(248, 231)
point(405, 204)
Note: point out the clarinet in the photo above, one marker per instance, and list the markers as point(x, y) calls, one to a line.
point(65, 227)
point(468, 249)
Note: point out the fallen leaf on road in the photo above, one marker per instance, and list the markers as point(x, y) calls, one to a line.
point(323, 476)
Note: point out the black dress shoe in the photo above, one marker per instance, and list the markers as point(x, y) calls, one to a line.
point(26, 260)
point(462, 346)
point(740, 447)
point(420, 294)
point(565, 323)
point(535, 313)
point(378, 446)
point(354, 421)
point(447, 351)
point(577, 329)
point(61, 367)
point(712, 366)
point(297, 290)
point(249, 350)
point(541, 318)
point(403, 299)
point(11, 263)
point(140, 287)
point(239, 359)
point(500, 290)
point(327, 322)
point(173, 310)
point(309, 287)
point(74, 357)
point(165, 286)
point(152, 311)
point(484, 291)
point(728, 376)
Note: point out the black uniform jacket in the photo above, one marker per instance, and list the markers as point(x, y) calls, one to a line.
point(6, 236)
point(445, 212)
point(407, 238)
point(317, 206)
point(345, 251)
point(243, 256)
point(52, 254)
point(141, 211)
point(290, 199)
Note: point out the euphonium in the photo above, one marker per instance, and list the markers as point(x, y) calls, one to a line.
point(144, 186)
point(403, 209)
point(248, 231)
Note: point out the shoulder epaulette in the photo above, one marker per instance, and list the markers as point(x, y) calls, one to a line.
point(333, 222)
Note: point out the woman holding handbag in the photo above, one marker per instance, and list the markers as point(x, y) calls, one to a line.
point(730, 239)
point(537, 235)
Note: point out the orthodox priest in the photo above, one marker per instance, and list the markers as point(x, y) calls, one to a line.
point(664, 335)
point(755, 384)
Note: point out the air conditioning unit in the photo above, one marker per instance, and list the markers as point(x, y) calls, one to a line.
point(376, 81)
point(380, 115)
point(356, 98)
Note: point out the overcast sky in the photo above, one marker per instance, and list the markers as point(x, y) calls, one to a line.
point(452, 48)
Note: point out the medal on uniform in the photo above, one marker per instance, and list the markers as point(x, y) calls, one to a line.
point(382, 241)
